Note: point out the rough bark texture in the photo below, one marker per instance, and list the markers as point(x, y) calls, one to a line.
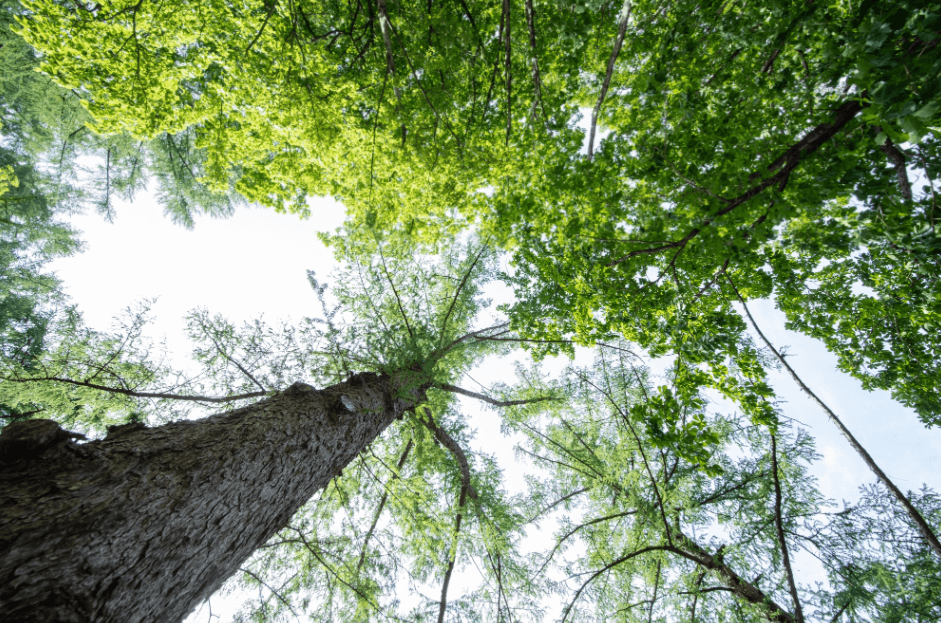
point(145, 524)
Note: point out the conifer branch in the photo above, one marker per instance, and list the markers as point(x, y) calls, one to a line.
point(382, 505)
point(135, 394)
point(497, 403)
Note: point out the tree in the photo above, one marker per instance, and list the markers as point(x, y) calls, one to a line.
point(751, 151)
point(144, 511)
point(660, 540)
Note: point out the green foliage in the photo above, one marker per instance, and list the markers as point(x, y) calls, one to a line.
point(48, 125)
point(644, 532)
point(751, 150)
point(729, 129)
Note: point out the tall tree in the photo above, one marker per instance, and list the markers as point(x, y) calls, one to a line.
point(175, 509)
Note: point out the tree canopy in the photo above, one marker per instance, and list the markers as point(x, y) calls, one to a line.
point(647, 167)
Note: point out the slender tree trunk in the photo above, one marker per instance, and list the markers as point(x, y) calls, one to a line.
point(147, 523)
point(923, 526)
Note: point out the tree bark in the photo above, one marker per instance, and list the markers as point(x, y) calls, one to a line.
point(147, 523)
point(734, 582)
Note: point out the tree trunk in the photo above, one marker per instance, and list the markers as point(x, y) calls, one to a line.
point(147, 523)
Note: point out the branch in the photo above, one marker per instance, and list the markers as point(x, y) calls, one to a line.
point(455, 449)
point(509, 73)
point(382, 504)
point(626, 557)
point(133, 394)
point(230, 359)
point(460, 287)
point(497, 403)
point(273, 592)
point(622, 29)
point(743, 589)
point(779, 524)
point(643, 455)
point(537, 81)
point(398, 301)
point(258, 36)
point(576, 529)
point(557, 502)
point(768, 67)
point(475, 334)
point(839, 612)
point(466, 489)
point(898, 160)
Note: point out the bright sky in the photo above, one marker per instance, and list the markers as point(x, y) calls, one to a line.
point(255, 263)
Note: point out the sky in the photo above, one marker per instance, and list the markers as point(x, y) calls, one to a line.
point(255, 263)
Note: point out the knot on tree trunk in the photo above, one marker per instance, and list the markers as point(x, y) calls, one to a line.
point(27, 439)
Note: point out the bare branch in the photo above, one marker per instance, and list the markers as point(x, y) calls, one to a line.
point(497, 403)
point(466, 489)
point(839, 612)
point(897, 158)
point(455, 449)
point(537, 81)
point(768, 67)
point(509, 72)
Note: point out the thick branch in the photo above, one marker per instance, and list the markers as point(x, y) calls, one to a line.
point(509, 72)
point(537, 81)
point(455, 449)
point(466, 489)
point(787, 163)
point(739, 586)
point(897, 158)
